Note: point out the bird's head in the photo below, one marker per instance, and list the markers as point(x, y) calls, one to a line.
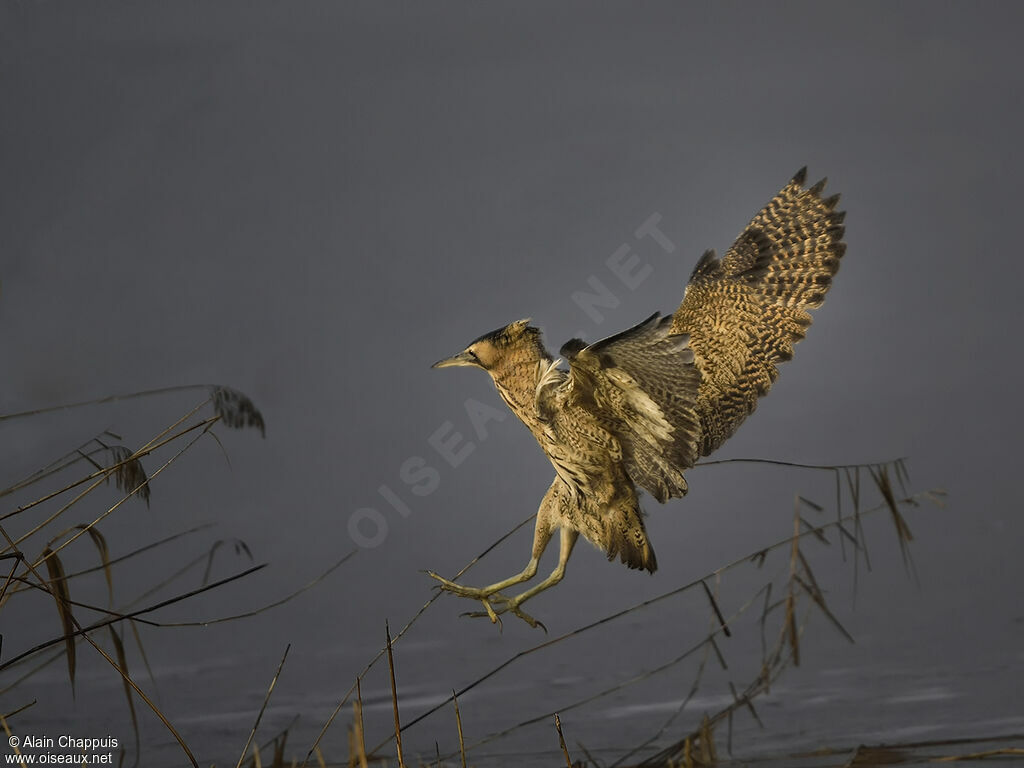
point(494, 350)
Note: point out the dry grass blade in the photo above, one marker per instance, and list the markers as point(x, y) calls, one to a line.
point(357, 725)
point(716, 609)
point(839, 512)
point(10, 737)
point(794, 464)
point(263, 708)
point(818, 597)
point(853, 485)
point(561, 742)
point(142, 652)
point(591, 760)
point(728, 736)
point(718, 651)
point(394, 698)
point(240, 547)
point(845, 535)
point(101, 546)
point(58, 587)
point(743, 701)
point(818, 533)
point(902, 474)
point(880, 475)
point(122, 660)
point(763, 621)
point(278, 741)
point(236, 410)
point(19, 710)
point(808, 503)
point(708, 754)
point(15, 558)
point(791, 629)
point(279, 750)
point(458, 723)
point(819, 600)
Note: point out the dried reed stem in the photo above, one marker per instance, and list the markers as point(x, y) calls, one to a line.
point(394, 698)
point(357, 712)
point(263, 708)
point(561, 741)
point(458, 723)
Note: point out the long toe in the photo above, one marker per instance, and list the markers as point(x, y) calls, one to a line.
point(515, 610)
point(457, 589)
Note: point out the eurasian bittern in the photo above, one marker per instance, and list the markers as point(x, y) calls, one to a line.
point(637, 409)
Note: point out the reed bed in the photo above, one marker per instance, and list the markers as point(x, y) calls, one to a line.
point(780, 608)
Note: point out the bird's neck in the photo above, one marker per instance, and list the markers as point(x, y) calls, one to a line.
point(516, 379)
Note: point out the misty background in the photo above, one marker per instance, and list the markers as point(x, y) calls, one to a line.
point(314, 202)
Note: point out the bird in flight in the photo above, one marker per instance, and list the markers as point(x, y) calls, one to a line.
point(636, 410)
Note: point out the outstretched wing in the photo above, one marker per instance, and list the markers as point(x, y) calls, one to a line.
point(641, 385)
point(745, 312)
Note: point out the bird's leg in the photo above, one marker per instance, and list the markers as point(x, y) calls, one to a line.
point(541, 536)
point(497, 604)
point(568, 541)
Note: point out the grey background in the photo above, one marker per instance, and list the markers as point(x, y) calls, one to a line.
point(313, 202)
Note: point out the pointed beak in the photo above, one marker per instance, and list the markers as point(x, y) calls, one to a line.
point(463, 358)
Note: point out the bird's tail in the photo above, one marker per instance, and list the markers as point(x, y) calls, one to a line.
point(626, 537)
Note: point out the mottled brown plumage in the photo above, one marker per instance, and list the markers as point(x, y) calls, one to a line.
point(636, 410)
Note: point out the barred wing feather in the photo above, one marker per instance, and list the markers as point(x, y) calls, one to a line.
point(744, 312)
point(641, 385)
